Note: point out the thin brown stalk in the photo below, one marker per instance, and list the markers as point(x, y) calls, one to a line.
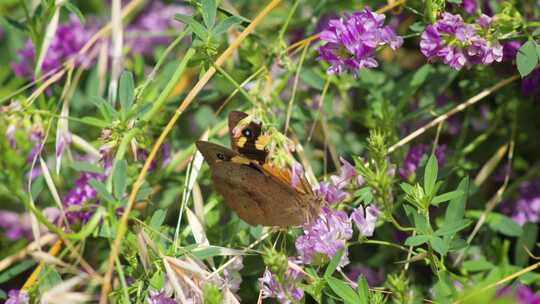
point(122, 227)
point(469, 102)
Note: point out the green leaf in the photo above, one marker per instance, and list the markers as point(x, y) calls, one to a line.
point(86, 167)
point(363, 289)
point(89, 120)
point(343, 290)
point(144, 191)
point(224, 25)
point(416, 240)
point(527, 239)
point(364, 195)
point(333, 264)
point(101, 190)
point(438, 245)
point(212, 251)
point(536, 32)
point(127, 91)
point(407, 188)
point(75, 10)
point(527, 58)
point(209, 8)
point(197, 28)
point(312, 78)
point(477, 265)
point(15, 270)
point(452, 227)
point(430, 175)
point(105, 108)
point(421, 75)
point(16, 24)
point(504, 224)
point(120, 178)
point(421, 223)
point(456, 208)
point(157, 219)
point(446, 197)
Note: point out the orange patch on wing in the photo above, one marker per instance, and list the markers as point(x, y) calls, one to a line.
point(241, 160)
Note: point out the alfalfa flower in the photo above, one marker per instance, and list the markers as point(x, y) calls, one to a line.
point(415, 155)
point(458, 43)
point(325, 236)
point(351, 41)
point(365, 220)
point(284, 287)
point(16, 296)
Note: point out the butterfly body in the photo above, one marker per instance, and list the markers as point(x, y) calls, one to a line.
point(259, 193)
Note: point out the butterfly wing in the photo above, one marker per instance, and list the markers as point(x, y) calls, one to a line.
point(256, 195)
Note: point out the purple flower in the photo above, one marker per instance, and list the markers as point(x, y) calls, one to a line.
point(161, 298)
point(19, 225)
point(365, 222)
point(484, 21)
point(10, 135)
point(330, 193)
point(68, 40)
point(529, 85)
point(373, 277)
point(469, 6)
point(521, 294)
point(348, 173)
point(231, 274)
point(527, 207)
point(325, 236)
point(296, 174)
point(16, 296)
point(458, 44)
point(148, 30)
point(284, 288)
point(353, 39)
point(510, 50)
point(415, 155)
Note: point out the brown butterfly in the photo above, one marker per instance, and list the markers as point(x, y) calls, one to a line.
point(260, 194)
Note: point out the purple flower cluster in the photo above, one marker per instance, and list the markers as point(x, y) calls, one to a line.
point(415, 155)
point(145, 34)
point(325, 236)
point(148, 30)
point(351, 41)
point(284, 288)
point(365, 221)
point(521, 294)
point(373, 277)
point(332, 192)
point(16, 296)
point(78, 198)
point(161, 298)
point(527, 207)
point(231, 274)
point(458, 43)
point(469, 6)
point(69, 39)
point(19, 225)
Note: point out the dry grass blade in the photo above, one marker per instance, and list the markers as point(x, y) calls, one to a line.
point(500, 282)
point(117, 42)
point(143, 251)
point(49, 259)
point(62, 293)
point(173, 279)
point(490, 166)
point(197, 228)
point(50, 32)
point(469, 102)
point(9, 260)
point(122, 227)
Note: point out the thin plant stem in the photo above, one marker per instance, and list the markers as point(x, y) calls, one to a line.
point(122, 226)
